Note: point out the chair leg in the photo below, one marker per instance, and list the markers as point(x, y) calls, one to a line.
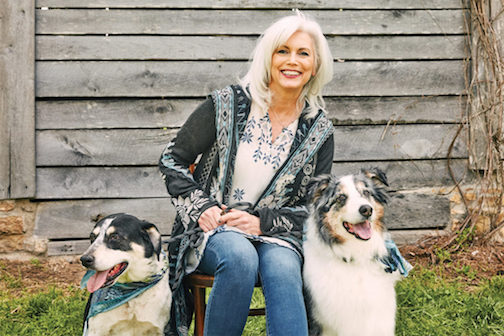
point(199, 310)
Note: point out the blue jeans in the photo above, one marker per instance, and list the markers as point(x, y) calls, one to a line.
point(236, 262)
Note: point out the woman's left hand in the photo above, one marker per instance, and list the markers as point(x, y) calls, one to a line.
point(242, 220)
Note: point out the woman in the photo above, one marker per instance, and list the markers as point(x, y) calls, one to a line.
point(240, 215)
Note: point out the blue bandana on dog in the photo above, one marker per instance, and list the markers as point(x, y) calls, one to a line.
point(394, 260)
point(108, 298)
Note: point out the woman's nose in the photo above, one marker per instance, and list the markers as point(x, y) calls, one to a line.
point(293, 58)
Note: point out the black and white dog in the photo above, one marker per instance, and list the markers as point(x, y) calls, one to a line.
point(348, 289)
point(128, 278)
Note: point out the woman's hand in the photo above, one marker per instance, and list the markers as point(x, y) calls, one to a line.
point(242, 220)
point(209, 219)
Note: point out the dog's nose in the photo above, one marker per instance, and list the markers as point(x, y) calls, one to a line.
point(87, 260)
point(366, 211)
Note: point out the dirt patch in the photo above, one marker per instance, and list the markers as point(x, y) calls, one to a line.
point(470, 264)
point(17, 276)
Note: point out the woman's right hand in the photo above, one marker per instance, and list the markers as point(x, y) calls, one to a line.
point(209, 219)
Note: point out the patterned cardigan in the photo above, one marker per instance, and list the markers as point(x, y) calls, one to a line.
point(212, 133)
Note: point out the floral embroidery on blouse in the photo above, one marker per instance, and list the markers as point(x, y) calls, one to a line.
point(266, 151)
point(238, 194)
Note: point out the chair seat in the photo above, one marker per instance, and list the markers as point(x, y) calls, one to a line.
point(199, 280)
point(197, 283)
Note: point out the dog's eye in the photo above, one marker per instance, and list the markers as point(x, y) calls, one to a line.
point(341, 199)
point(366, 193)
point(114, 237)
point(92, 237)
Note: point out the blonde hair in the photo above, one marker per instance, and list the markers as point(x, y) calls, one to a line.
point(259, 74)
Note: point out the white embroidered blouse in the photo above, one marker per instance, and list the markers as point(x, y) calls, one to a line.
point(258, 157)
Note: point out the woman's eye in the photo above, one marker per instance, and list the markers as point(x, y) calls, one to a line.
point(282, 51)
point(304, 53)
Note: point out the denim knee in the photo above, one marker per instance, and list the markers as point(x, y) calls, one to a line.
point(231, 253)
point(281, 263)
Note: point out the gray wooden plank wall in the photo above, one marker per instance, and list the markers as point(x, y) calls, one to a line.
point(17, 99)
point(116, 79)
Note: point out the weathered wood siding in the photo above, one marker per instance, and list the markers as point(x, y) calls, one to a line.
point(116, 79)
point(17, 99)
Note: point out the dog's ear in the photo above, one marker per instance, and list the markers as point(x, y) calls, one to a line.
point(316, 186)
point(376, 175)
point(379, 180)
point(154, 236)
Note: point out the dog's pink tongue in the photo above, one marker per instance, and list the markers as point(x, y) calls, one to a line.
point(363, 230)
point(96, 281)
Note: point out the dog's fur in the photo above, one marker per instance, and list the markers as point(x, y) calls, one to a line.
point(135, 246)
point(349, 292)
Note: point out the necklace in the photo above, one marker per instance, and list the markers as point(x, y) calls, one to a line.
point(283, 124)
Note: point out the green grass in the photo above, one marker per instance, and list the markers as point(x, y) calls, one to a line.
point(427, 305)
point(52, 312)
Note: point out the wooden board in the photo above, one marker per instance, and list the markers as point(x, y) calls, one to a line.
point(166, 79)
point(416, 210)
point(395, 110)
point(406, 142)
point(99, 182)
point(486, 104)
point(76, 247)
point(321, 4)
point(160, 113)
point(240, 47)
point(17, 99)
point(142, 182)
point(244, 22)
point(4, 125)
point(143, 147)
point(410, 237)
point(410, 175)
point(76, 218)
point(115, 113)
point(101, 147)
point(71, 247)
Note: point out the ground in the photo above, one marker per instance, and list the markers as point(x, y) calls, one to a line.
point(471, 264)
point(36, 273)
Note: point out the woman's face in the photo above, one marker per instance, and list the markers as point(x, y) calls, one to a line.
point(293, 64)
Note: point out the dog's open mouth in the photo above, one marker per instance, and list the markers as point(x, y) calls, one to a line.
point(105, 278)
point(360, 230)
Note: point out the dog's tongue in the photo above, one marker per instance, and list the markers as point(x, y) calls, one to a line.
point(97, 280)
point(363, 230)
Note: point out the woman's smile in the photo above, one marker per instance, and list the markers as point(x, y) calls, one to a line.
point(291, 73)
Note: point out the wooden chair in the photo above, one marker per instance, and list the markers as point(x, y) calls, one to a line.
point(197, 283)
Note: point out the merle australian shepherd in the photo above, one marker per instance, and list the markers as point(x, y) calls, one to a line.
point(348, 290)
point(125, 258)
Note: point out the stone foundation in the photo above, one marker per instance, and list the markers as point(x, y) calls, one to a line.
point(487, 211)
point(17, 223)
